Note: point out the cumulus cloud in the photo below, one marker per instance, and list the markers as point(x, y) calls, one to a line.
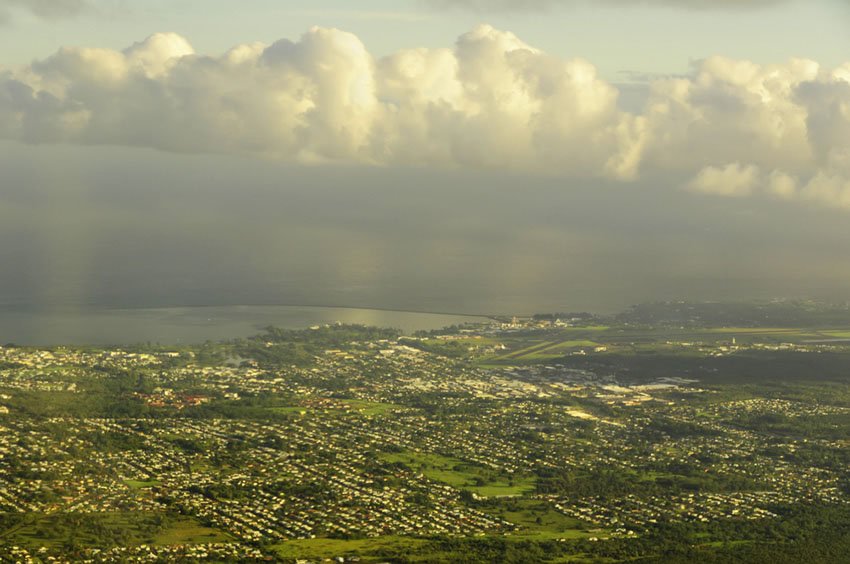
point(491, 101)
point(731, 180)
point(826, 188)
point(734, 128)
point(47, 9)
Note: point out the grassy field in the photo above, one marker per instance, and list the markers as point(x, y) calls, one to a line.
point(290, 409)
point(557, 349)
point(141, 484)
point(475, 341)
point(384, 549)
point(750, 330)
point(842, 334)
point(60, 530)
point(463, 475)
point(537, 350)
point(504, 487)
point(366, 549)
point(551, 345)
point(189, 531)
point(371, 408)
point(539, 520)
point(367, 408)
point(582, 559)
point(551, 348)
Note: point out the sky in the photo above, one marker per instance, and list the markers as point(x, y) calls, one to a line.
point(616, 35)
point(508, 156)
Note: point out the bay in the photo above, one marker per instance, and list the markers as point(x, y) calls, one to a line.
point(191, 325)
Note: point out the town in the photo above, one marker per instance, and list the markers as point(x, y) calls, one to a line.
point(541, 439)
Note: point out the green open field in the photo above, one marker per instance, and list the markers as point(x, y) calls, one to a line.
point(368, 408)
point(141, 484)
point(290, 409)
point(581, 559)
point(61, 530)
point(366, 549)
point(841, 334)
point(539, 520)
point(549, 348)
point(468, 341)
point(554, 350)
point(553, 344)
point(189, 531)
point(751, 330)
point(557, 345)
point(413, 549)
point(463, 475)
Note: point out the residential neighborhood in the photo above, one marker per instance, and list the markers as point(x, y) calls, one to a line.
point(120, 455)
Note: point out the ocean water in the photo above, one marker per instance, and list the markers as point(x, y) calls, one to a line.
point(187, 325)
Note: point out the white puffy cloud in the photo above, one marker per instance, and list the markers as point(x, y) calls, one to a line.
point(781, 185)
point(731, 180)
point(492, 101)
point(785, 129)
point(154, 56)
point(732, 127)
point(731, 110)
point(828, 189)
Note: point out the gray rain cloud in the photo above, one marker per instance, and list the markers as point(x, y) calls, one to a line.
point(133, 227)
